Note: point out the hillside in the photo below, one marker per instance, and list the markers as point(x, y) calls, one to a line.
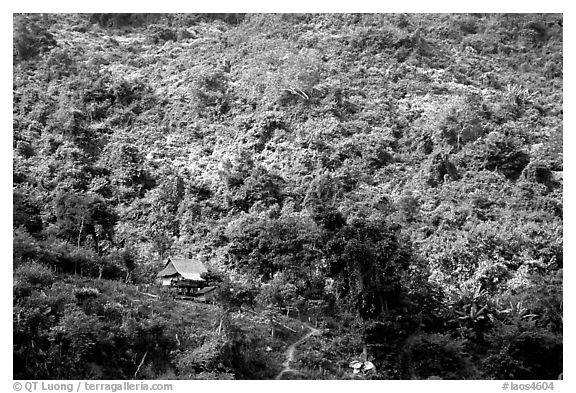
point(396, 176)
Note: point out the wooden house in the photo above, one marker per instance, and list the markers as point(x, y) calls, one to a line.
point(184, 274)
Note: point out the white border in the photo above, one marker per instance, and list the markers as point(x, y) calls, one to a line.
point(299, 6)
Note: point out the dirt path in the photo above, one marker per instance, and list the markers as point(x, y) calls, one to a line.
point(292, 348)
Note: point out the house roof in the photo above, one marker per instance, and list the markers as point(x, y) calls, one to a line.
point(190, 269)
point(205, 290)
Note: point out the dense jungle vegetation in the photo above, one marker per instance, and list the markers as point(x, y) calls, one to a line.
point(397, 176)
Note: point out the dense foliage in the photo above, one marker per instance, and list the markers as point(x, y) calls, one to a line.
point(397, 177)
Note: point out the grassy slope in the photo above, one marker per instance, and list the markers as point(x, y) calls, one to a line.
point(110, 326)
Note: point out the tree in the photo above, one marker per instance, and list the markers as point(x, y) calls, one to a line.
point(367, 260)
point(79, 216)
point(128, 177)
point(30, 38)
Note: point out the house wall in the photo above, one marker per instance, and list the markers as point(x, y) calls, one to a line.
point(207, 297)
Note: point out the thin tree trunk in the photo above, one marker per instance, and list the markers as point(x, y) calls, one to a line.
point(80, 233)
point(96, 243)
point(220, 326)
point(382, 302)
point(140, 365)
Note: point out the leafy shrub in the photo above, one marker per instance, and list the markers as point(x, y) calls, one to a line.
point(203, 358)
point(24, 247)
point(234, 296)
point(119, 20)
point(468, 25)
point(429, 355)
point(26, 212)
point(259, 187)
point(498, 152)
point(439, 169)
point(523, 351)
point(31, 276)
point(209, 93)
point(408, 206)
point(535, 298)
point(491, 275)
point(536, 31)
point(30, 38)
point(539, 172)
point(160, 34)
